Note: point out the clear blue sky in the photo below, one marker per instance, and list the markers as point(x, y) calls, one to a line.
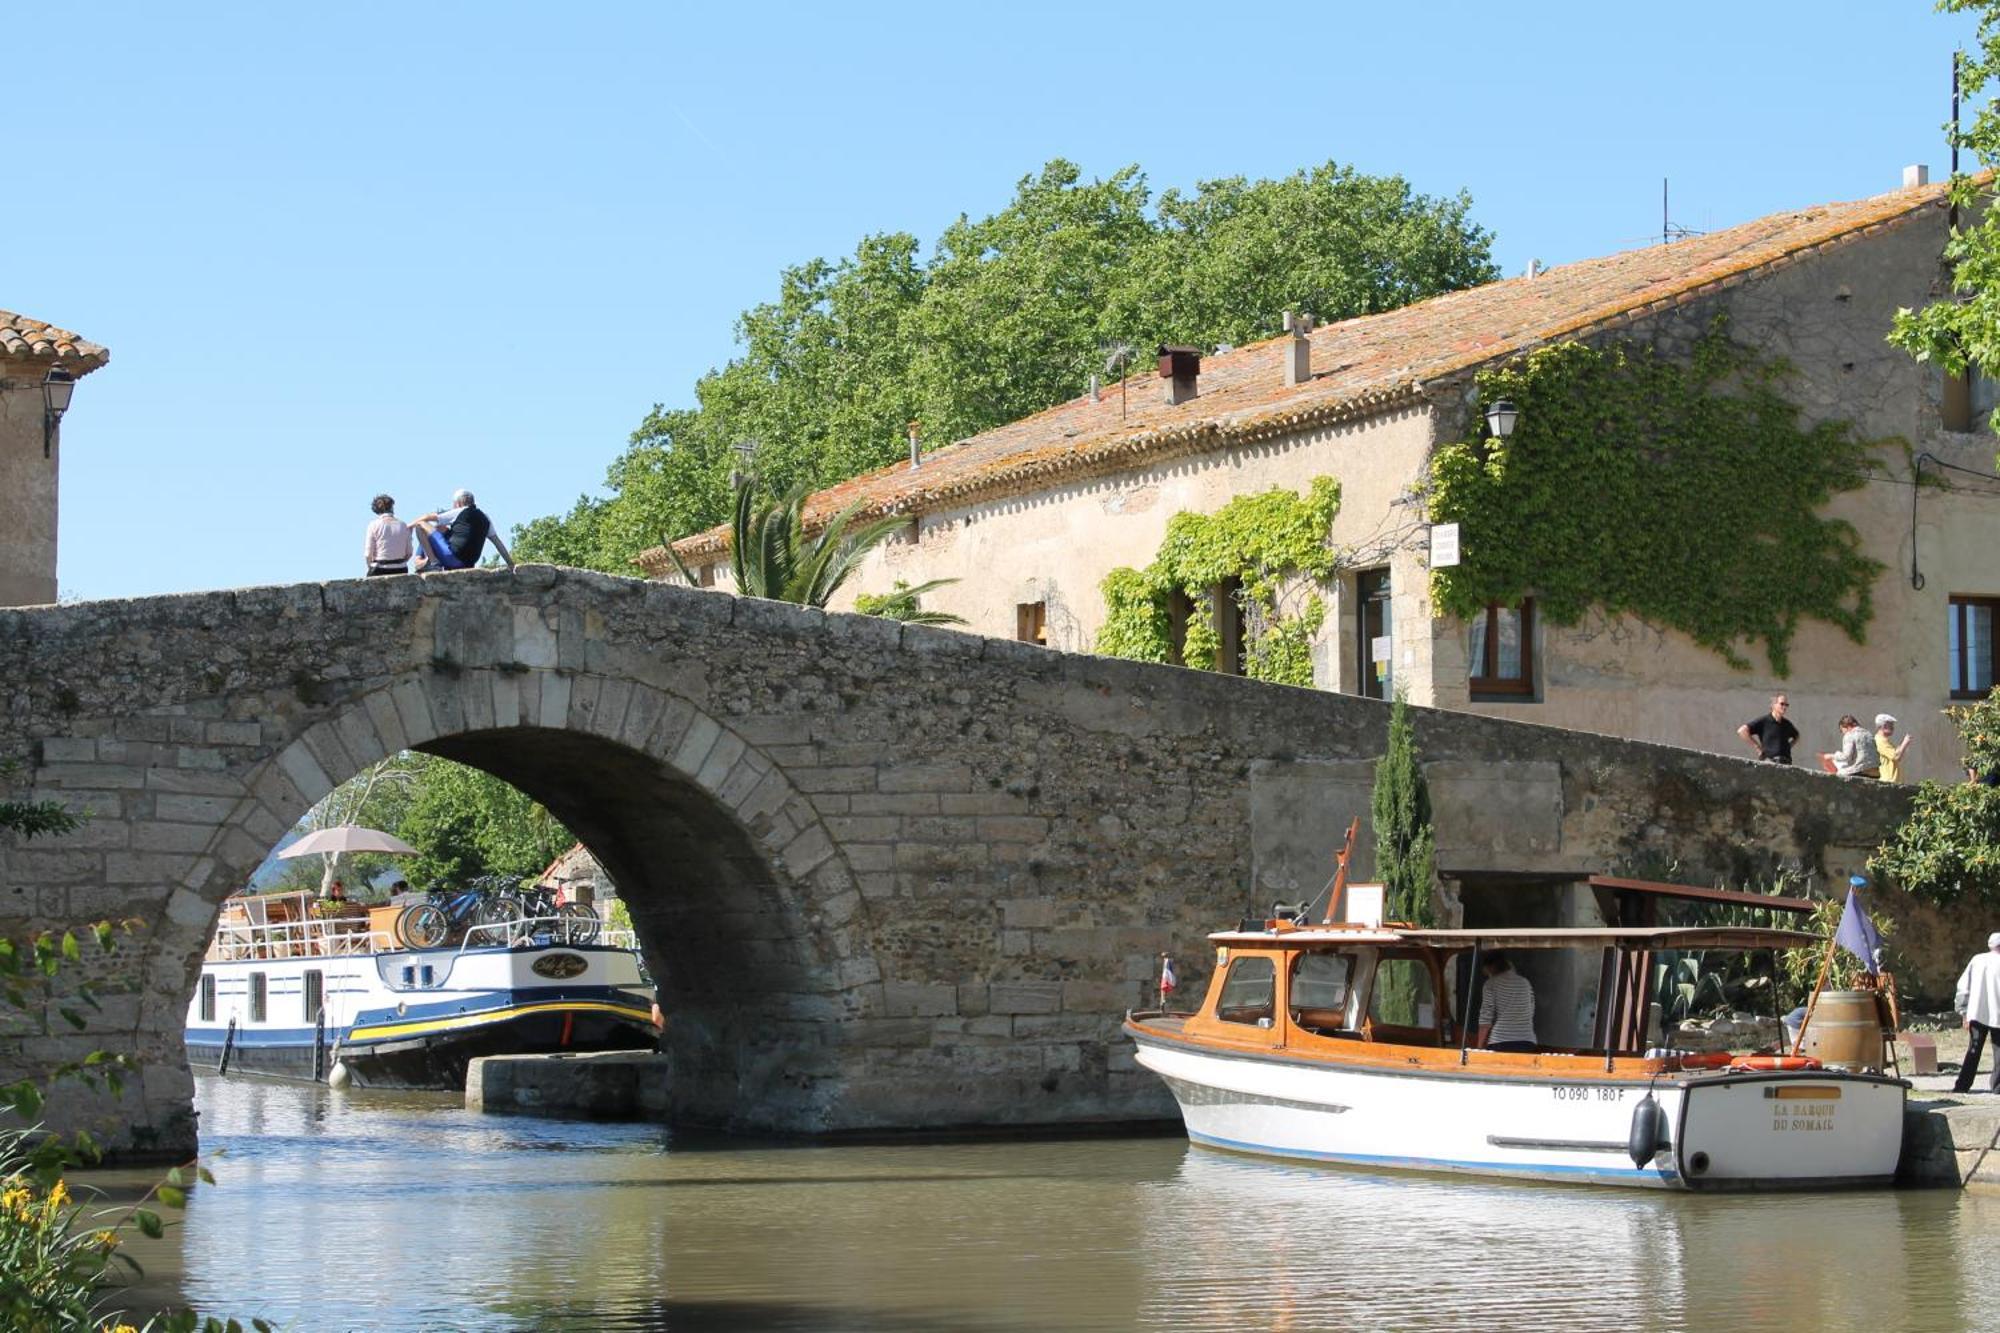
point(346, 248)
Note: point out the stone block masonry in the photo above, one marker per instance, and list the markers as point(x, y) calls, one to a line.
point(887, 877)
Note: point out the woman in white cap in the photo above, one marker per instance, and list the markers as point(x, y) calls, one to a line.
point(1887, 751)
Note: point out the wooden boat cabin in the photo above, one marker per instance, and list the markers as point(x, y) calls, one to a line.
point(1409, 996)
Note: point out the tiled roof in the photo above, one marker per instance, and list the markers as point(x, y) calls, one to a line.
point(1361, 367)
point(21, 336)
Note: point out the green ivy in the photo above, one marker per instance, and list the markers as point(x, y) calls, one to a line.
point(1271, 542)
point(1684, 493)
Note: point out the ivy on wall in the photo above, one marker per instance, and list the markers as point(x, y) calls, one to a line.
point(1684, 493)
point(1274, 543)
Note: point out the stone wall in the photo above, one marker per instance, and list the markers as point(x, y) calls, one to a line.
point(27, 487)
point(887, 876)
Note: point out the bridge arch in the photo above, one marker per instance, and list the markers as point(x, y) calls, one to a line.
point(744, 905)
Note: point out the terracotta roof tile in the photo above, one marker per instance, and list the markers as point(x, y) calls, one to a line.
point(21, 336)
point(1361, 367)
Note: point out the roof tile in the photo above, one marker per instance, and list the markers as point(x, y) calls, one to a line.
point(21, 336)
point(1365, 365)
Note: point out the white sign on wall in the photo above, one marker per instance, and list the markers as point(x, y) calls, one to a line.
point(1380, 648)
point(1444, 545)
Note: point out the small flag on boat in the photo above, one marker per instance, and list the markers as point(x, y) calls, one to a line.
point(1857, 934)
point(1167, 979)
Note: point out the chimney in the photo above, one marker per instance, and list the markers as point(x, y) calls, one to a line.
point(1534, 268)
point(916, 446)
point(1917, 174)
point(1180, 367)
point(1298, 351)
point(1095, 391)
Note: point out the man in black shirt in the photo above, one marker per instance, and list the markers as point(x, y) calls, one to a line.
point(1771, 735)
point(454, 539)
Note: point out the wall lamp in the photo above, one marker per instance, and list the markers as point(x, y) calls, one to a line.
point(57, 386)
point(1500, 418)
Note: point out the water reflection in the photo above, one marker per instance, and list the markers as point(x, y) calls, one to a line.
point(1336, 1249)
point(383, 1210)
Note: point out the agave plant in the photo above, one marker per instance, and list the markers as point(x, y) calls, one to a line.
point(902, 603)
point(771, 556)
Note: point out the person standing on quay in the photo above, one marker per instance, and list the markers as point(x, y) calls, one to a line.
point(1771, 735)
point(1978, 999)
point(1887, 750)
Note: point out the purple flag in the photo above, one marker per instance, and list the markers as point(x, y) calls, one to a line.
point(1857, 934)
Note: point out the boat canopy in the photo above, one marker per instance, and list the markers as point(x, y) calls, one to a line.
point(1524, 937)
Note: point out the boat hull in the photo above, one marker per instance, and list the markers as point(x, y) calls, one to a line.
point(1719, 1131)
point(439, 1061)
point(415, 1019)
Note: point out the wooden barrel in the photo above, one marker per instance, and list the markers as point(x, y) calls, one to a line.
point(1846, 1031)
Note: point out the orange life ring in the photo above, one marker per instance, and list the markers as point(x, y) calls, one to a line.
point(1775, 1062)
point(1705, 1059)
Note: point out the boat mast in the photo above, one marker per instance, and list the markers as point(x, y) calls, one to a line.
point(1336, 892)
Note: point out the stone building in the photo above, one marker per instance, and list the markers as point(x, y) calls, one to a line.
point(1030, 517)
point(578, 876)
point(31, 452)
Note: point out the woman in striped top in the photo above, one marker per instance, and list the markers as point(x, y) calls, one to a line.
point(1506, 1007)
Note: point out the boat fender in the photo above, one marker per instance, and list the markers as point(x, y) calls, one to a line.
point(338, 1077)
point(1649, 1130)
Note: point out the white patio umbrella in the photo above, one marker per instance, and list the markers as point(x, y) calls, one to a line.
point(347, 838)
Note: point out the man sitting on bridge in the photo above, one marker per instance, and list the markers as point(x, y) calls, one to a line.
point(453, 539)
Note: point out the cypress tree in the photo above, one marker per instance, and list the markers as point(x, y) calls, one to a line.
point(1405, 844)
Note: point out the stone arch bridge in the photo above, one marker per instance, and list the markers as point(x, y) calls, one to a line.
point(887, 876)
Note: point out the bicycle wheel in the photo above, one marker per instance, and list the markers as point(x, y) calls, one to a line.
point(423, 926)
point(501, 909)
point(577, 923)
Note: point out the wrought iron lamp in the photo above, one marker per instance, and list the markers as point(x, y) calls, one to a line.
point(57, 386)
point(1500, 418)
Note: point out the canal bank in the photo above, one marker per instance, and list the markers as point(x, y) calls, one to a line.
point(1950, 1139)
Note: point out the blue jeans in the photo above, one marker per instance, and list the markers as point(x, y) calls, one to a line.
point(442, 553)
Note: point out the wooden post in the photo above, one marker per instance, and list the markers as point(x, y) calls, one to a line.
point(1813, 1003)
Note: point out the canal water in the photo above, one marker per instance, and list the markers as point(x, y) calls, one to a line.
point(370, 1210)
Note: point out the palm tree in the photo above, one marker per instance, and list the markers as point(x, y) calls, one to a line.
point(771, 556)
point(901, 603)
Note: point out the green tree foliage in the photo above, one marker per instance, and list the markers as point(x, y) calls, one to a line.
point(905, 603)
point(1405, 842)
point(1272, 545)
point(1701, 512)
point(1009, 314)
point(1963, 328)
point(1948, 850)
point(466, 823)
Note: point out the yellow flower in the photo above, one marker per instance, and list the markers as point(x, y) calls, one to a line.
point(59, 1195)
point(120, 1328)
point(16, 1200)
point(107, 1240)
